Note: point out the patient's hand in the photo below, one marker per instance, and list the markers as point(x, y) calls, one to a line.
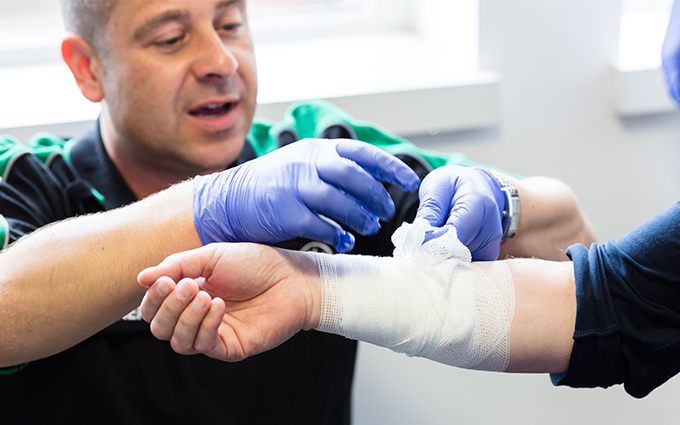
point(266, 295)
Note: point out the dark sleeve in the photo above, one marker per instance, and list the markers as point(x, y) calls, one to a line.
point(628, 309)
point(33, 195)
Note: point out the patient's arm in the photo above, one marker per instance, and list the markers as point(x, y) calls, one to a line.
point(625, 330)
point(545, 311)
point(271, 294)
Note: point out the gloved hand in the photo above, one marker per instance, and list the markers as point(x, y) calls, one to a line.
point(470, 199)
point(277, 196)
point(670, 54)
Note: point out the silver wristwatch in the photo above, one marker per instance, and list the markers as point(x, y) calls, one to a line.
point(513, 208)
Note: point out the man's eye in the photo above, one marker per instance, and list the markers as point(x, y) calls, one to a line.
point(171, 41)
point(231, 27)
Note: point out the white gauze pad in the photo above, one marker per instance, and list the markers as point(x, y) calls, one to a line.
point(428, 300)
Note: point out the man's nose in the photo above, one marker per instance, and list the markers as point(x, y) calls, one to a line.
point(214, 59)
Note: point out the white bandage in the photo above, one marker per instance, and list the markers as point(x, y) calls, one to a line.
point(428, 300)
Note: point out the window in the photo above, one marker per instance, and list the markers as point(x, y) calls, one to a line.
point(408, 65)
point(643, 28)
point(639, 83)
point(293, 6)
point(30, 30)
point(288, 20)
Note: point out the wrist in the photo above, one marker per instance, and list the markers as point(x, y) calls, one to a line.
point(507, 199)
point(304, 273)
point(313, 283)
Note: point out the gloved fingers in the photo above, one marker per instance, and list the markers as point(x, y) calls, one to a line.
point(318, 228)
point(672, 71)
point(673, 82)
point(434, 209)
point(340, 206)
point(488, 251)
point(478, 226)
point(356, 182)
point(469, 219)
point(434, 234)
point(378, 163)
point(463, 197)
point(436, 196)
point(670, 53)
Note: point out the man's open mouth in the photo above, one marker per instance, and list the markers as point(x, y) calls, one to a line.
point(212, 110)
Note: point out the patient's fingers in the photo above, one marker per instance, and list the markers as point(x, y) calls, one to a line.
point(189, 322)
point(155, 296)
point(180, 265)
point(166, 318)
point(208, 341)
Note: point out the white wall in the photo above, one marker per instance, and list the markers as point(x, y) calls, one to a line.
point(554, 57)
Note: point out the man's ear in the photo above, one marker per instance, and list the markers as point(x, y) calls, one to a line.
point(85, 66)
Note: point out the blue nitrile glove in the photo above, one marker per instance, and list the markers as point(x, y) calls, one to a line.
point(670, 53)
point(277, 196)
point(470, 199)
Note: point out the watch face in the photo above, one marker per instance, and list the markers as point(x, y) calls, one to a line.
point(514, 215)
point(314, 246)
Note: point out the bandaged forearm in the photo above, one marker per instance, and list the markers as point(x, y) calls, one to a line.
point(428, 300)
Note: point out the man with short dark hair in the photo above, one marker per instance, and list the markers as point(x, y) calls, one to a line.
point(177, 83)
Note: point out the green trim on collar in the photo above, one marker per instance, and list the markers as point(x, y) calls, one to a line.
point(68, 147)
point(45, 145)
point(98, 196)
point(12, 369)
point(259, 137)
point(10, 148)
point(4, 231)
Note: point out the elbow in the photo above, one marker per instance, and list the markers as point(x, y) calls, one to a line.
point(560, 210)
point(580, 229)
point(552, 220)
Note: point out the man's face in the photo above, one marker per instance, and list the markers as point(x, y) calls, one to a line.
point(180, 82)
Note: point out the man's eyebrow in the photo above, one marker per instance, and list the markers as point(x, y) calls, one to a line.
point(157, 21)
point(226, 3)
